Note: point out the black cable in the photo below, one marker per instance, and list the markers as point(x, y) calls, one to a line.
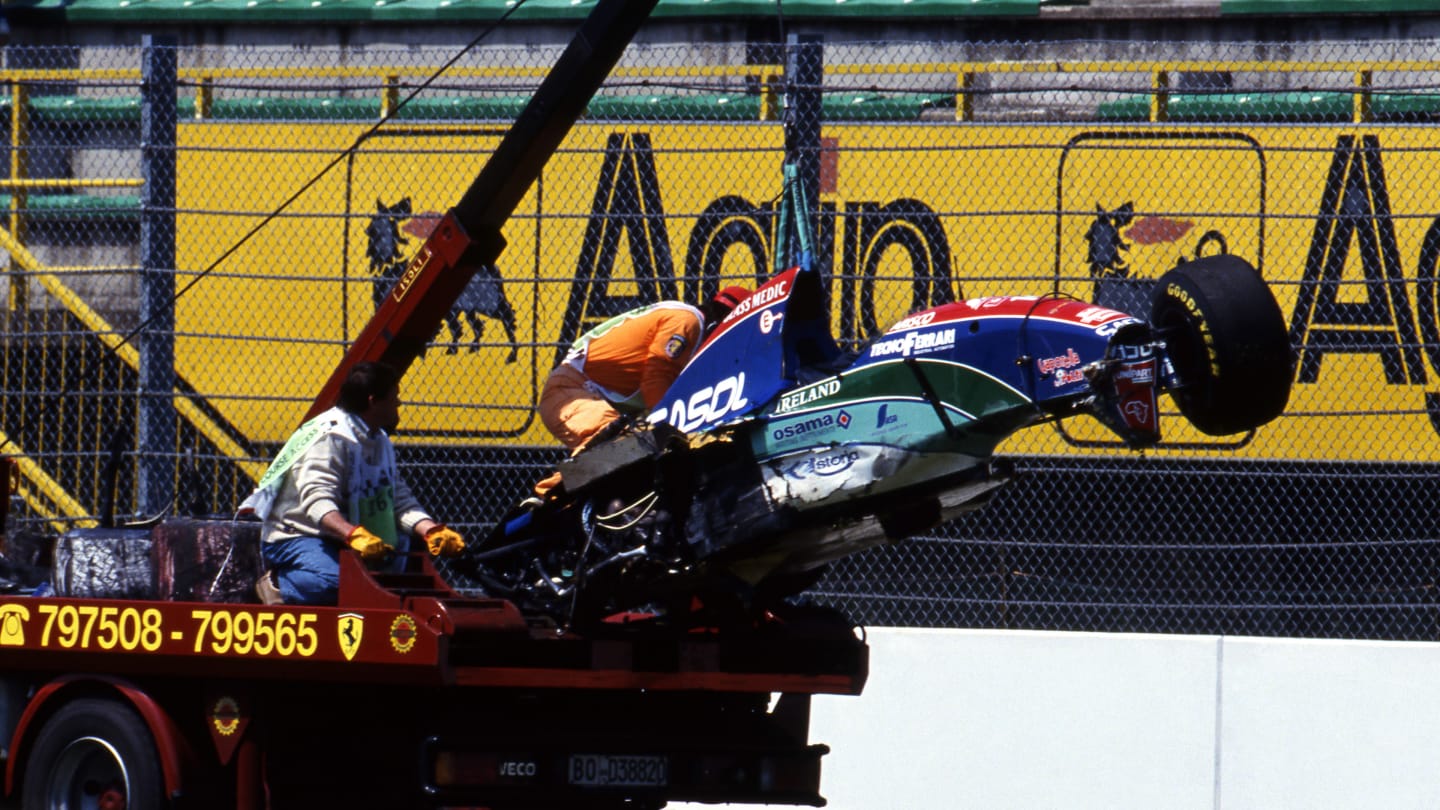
point(66, 389)
point(343, 155)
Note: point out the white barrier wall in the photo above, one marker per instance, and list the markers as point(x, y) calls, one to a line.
point(995, 720)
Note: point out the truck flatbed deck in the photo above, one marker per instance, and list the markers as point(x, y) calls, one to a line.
point(414, 693)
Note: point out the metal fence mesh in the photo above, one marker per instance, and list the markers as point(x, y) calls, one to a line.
point(306, 178)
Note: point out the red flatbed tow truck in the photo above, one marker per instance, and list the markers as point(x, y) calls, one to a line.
point(407, 693)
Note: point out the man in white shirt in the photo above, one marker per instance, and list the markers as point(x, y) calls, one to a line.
point(335, 486)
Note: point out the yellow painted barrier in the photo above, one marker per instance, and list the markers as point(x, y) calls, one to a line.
point(1340, 220)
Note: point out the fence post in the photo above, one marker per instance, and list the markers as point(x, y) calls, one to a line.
point(156, 431)
point(19, 195)
point(804, 115)
point(204, 97)
point(1160, 96)
point(1361, 110)
point(390, 96)
point(964, 98)
point(769, 103)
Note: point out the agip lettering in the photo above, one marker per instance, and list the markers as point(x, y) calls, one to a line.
point(1397, 321)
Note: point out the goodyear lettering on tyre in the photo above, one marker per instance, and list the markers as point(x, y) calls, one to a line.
point(1211, 352)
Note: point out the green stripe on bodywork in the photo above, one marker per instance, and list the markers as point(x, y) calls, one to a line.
point(982, 409)
point(959, 386)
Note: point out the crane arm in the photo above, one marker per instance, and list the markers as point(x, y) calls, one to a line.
point(469, 236)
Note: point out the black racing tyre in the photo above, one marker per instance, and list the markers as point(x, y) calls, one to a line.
point(1227, 339)
point(93, 753)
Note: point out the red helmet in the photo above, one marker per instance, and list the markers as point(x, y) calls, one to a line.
point(730, 297)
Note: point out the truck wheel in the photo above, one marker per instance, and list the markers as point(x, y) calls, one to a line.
point(93, 754)
point(1227, 340)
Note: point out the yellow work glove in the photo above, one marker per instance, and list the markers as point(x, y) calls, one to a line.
point(371, 548)
point(444, 541)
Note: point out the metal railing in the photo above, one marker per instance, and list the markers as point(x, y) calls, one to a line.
point(1327, 523)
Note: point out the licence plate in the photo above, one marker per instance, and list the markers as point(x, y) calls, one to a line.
point(612, 770)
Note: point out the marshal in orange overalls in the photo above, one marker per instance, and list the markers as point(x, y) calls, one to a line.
point(624, 365)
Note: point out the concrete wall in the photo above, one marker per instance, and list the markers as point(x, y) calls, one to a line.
point(996, 720)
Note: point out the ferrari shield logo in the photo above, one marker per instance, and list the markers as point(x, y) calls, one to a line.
point(350, 628)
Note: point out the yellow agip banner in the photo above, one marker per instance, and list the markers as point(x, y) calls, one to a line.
point(1341, 221)
point(261, 333)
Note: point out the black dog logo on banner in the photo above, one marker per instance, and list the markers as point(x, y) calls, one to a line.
point(483, 297)
point(1106, 244)
point(383, 242)
point(1114, 286)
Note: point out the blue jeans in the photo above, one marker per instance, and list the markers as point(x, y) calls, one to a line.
point(307, 569)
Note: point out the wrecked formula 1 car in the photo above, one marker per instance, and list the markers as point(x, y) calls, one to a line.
point(775, 452)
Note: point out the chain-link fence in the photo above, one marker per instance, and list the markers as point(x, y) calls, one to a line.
point(288, 188)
